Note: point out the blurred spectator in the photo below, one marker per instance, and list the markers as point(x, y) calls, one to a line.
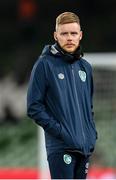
point(12, 100)
point(24, 54)
point(27, 18)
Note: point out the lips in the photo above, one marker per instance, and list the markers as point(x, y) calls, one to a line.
point(69, 45)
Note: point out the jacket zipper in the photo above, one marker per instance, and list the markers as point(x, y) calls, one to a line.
point(76, 95)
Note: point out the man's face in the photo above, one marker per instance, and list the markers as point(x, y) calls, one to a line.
point(68, 36)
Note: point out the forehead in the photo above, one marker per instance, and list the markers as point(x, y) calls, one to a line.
point(70, 27)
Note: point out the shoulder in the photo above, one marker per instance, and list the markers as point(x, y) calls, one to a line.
point(86, 64)
point(44, 56)
point(41, 60)
point(38, 66)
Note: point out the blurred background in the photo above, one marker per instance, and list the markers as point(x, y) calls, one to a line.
point(25, 27)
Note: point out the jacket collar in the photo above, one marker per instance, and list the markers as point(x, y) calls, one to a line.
point(68, 57)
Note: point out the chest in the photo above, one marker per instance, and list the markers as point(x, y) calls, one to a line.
point(68, 77)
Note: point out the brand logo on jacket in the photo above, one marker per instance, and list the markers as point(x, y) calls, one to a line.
point(82, 75)
point(61, 76)
point(67, 158)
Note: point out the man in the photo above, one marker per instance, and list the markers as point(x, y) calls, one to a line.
point(60, 100)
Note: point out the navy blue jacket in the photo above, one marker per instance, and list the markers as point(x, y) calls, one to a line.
point(59, 99)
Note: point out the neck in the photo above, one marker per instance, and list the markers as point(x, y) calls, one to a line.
point(70, 57)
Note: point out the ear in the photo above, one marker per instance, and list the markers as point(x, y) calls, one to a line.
point(55, 36)
point(81, 35)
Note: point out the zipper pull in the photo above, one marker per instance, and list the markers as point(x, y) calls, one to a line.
point(72, 67)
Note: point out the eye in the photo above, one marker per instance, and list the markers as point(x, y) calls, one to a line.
point(74, 33)
point(64, 33)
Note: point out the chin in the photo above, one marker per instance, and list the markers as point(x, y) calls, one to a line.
point(70, 50)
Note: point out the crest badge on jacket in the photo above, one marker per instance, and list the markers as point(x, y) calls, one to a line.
point(82, 75)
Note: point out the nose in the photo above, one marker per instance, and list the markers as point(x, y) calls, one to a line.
point(69, 37)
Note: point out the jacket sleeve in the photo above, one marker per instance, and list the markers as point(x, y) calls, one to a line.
point(36, 108)
point(92, 92)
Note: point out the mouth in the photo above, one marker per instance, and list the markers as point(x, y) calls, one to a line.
point(69, 45)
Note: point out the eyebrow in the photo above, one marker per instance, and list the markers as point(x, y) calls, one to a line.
point(72, 32)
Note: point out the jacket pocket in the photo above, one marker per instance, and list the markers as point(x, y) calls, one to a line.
point(66, 137)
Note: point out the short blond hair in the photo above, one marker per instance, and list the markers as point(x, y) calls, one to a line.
point(67, 17)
